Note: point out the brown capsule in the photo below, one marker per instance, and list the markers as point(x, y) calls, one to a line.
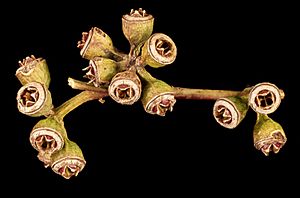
point(68, 161)
point(34, 99)
point(125, 87)
point(264, 98)
point(230, 111)
point(47, 137)
point(159, 50)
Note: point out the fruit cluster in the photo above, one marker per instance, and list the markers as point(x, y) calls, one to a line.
point(124, 78)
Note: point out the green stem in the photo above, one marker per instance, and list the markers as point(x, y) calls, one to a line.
point(203, 94)
point(118, 55)
point(145, 74)
point(76, 101)
point(77, 84)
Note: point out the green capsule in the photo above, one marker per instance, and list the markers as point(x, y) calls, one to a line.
point(157, 97)
point(101, 70)
point(96, 43)
point(33, 70)
point(137, 26)
point(268, 135)
point(159, 50)
point(48, 136)
point(68, 161)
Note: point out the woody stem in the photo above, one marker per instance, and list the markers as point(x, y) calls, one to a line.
point(203, 94)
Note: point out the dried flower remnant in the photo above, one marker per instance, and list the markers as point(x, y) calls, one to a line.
point(68, 167)
point(273, 143)
point(160, 104)
point(91, 74)
point(29, 96)
point(34, 99)
point(268, 135)
point(46, 145)
point(32, 69)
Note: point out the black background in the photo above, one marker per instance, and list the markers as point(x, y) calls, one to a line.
point(220, 46)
